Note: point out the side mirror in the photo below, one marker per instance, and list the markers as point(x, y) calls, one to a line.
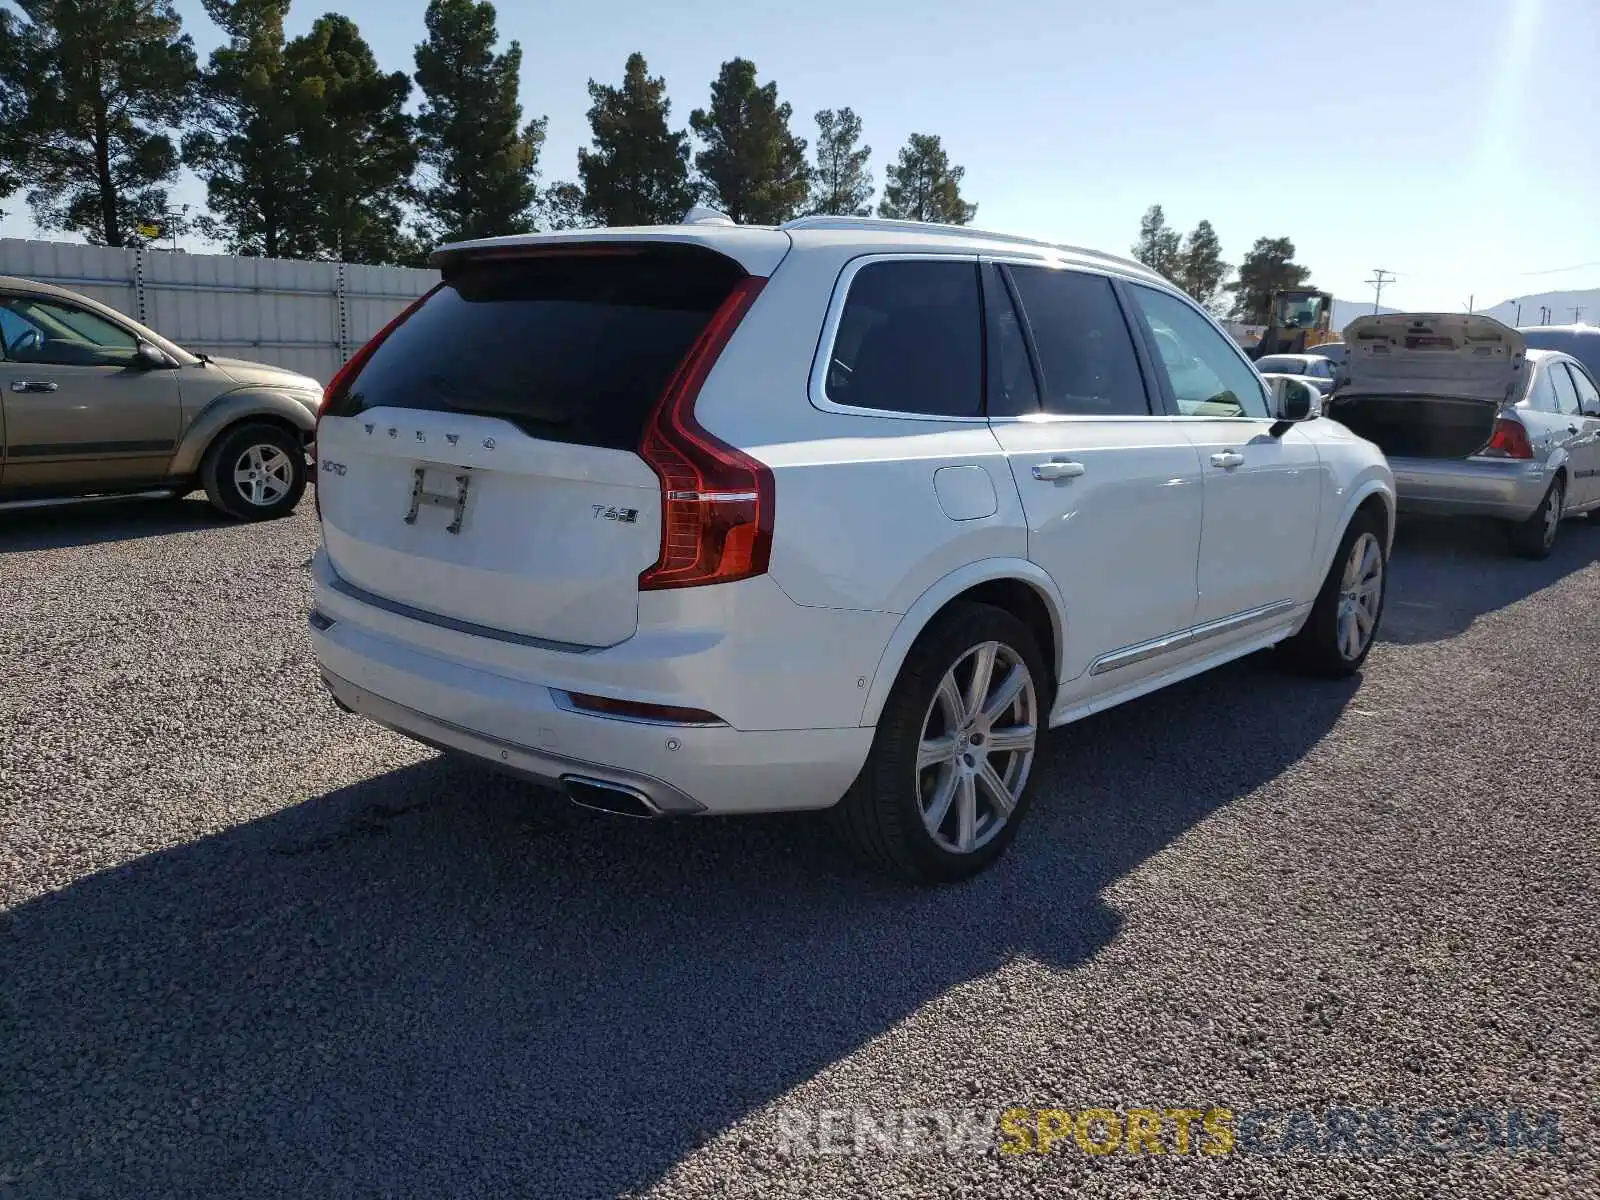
point(147, 358)
point(1295, 401)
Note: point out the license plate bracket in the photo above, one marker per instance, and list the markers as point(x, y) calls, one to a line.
point(454, 500)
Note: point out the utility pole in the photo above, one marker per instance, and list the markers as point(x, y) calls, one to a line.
point(1519, 312)
point(1377, 283)
point(1544, 315)
point(1470, 303)
point(1577, 314)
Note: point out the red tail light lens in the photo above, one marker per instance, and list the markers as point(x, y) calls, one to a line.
point(345, 374)
point(1510, 440)
point(716, 502)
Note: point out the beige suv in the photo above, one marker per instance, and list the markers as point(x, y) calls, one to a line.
point(95, 404)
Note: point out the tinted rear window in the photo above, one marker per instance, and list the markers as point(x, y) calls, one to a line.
point(1085, 350)
point(910, 340)
point(574, 348)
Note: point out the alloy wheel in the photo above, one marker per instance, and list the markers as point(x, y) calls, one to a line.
point(1360, 595)
point(1552, 513)
point(263, 475)
point(977, 746)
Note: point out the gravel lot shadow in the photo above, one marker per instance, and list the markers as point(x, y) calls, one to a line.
point(104, 521)
point(440, 983)
point(1445, 574)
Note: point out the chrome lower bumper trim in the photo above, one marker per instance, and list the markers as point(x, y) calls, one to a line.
point(539, 766)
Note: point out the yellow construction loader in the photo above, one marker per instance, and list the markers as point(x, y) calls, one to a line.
point(1300, 322)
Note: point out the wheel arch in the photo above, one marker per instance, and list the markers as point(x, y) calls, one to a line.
point(1016, 585)
point(228, 412)
point(1374, 495)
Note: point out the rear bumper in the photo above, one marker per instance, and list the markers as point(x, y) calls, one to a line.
point(517, 724)
point(1470, 487)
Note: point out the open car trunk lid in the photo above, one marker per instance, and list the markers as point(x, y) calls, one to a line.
point(481, 465)
point(1462, 356)
point(1428, 385)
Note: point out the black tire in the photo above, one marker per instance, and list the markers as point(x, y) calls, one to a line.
point(881, 818)
point(1318, 648)
point(1536, 537)
point(223, 459)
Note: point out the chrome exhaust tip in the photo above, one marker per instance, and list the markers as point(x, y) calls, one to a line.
point(613, 798)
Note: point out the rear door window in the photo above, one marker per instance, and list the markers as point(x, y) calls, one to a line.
point(1566, 394)
point(910, 340)
point(570, 348)
point(1086, 353)
point(1588, 396)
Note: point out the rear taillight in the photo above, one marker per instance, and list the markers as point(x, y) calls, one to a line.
point(1509, 440)
point(716, 502)
point(345, 374)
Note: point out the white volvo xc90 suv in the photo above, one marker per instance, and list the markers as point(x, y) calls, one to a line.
point(717, 519)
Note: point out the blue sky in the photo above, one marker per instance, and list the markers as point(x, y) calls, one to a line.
point(1450, 142)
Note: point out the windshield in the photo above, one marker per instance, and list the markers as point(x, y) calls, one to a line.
point(572, 348)
point(1298, 312)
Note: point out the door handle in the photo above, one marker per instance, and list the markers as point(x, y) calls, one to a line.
point(33, 385)
point(1227, 459)
point(1058, 468)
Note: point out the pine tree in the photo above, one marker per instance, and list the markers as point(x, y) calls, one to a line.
point(1159, 246)
point(841, 184)
point(753, 167)
point(355, 142)
point(638, 171)
point(561, 207)
point(481, 161)
point(96, 85)
point(244, 137)
point(1201, 269)
point(1269, 267)
point(12, 146)
point(923, 186)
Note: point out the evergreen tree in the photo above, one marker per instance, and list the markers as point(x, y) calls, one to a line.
point(561, 207)
point(355, 143)
point(638, 171)
point(481, 161)
point(1201, 269)
point(1269, 267)
point(243, 142)
point(94, 86)
point(841, 184)
point(923, 186)
point(1159, 246)
point(12, 146)
point(753, 167)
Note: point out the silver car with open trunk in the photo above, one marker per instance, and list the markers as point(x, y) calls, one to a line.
point(1473, 422)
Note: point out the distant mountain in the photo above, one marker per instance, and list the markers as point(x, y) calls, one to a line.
point(1345, 311)
point(1560, 304)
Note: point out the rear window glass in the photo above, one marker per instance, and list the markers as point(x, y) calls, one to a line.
point(910, 340)
point(1283, 366)
point(571, 348)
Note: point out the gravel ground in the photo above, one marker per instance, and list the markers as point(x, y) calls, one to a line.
point(252, 946)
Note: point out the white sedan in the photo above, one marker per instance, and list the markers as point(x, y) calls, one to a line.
point(1319, 372)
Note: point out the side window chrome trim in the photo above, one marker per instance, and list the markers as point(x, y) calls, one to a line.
point(817, 386)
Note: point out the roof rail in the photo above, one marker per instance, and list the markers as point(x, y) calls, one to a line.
point(888, 225)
